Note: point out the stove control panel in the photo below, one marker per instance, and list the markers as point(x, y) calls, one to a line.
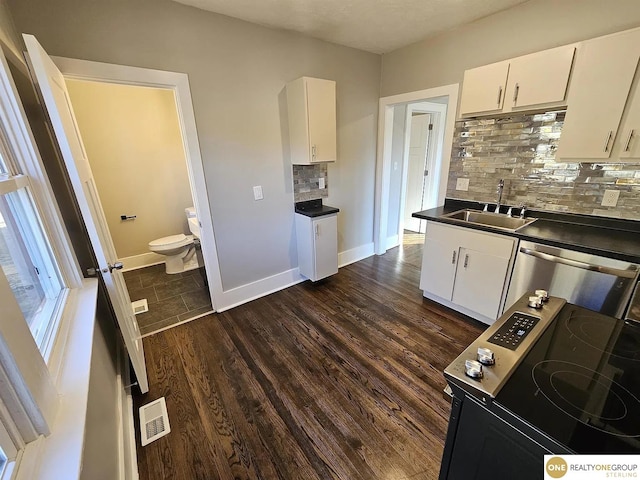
point(485, 365)
point(514, 330)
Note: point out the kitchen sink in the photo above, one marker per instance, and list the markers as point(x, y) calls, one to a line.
point(495, 220)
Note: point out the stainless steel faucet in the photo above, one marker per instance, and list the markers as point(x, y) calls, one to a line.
point(499, 192)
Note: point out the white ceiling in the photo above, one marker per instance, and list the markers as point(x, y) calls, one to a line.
point(377, 26)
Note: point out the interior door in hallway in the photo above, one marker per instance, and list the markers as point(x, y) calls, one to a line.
point(417, 170)
point(56, 99)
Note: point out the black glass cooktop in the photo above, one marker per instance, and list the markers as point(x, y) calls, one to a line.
point(580, 383)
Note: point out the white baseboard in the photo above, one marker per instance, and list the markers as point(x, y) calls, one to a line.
point(260, 288)
point(393, 241)
point(128, 468)
point(355, 254)
point(140, 261)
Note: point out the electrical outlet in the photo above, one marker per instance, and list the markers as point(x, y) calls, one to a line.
point(321, 184)
point(462, 184)
point(257, 192)
point(610, 198)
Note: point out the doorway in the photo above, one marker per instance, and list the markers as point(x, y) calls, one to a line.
point(392, 185)
point(132, 137)
point(422, 159)
point(178, 85)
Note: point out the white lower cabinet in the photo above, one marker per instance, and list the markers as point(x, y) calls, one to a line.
point(317, 245)
point(466, 269)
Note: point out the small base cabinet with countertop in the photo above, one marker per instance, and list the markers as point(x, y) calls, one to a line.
point(317, 238)
point(467, 270)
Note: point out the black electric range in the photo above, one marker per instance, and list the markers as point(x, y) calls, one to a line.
point(580, 383)
point(563, 380)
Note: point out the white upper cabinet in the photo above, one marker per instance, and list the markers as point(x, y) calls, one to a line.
point(483, 89)
point(600, 89)
point(311, 105)
point(534, 81)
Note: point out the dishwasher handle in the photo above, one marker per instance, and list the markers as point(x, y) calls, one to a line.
point(585, 266)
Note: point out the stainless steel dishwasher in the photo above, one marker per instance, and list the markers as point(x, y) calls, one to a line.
point(597, 283)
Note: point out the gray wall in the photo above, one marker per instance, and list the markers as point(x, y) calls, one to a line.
point(526, 28)
point(237, 72)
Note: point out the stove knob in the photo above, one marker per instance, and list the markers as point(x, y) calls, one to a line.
point(535, 302)
point(543, 294)
point(473, 369)
point(485, 356)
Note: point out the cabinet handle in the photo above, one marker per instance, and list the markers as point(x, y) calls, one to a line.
point(606, 144)
point(453, 257)
point(626, 147)
point(317, 230)
point(499, 94)
point(515, 93)
point(466, 260)
point(313, 152)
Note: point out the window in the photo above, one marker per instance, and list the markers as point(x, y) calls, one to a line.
point(38, 273)
point(27, 262)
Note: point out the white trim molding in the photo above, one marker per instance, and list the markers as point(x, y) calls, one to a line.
point(260, 288)
point(355, 254)
point(384, 160)
point(134, 262)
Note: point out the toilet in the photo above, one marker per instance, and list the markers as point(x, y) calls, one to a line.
point(179, 250)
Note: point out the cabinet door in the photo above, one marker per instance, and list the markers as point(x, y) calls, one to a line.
point(325, 231)
point(539, 78)
point(483, 89)
point(603, 74)
point(438, 267)
point(479, 281)
point(321, 108)
point(629, 144)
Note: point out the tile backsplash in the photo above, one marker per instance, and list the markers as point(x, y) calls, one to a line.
point(521, 150)
point(306, 184)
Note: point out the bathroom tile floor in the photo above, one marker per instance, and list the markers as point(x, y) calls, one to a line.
point(171, 298)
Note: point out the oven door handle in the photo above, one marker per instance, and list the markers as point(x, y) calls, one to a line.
point(585, 266)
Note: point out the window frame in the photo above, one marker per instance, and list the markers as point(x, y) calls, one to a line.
point(30, 404)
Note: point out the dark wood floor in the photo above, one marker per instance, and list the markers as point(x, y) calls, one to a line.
point(337, 380)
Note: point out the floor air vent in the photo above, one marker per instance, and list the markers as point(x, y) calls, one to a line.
point(154, 421)
point(140, 306)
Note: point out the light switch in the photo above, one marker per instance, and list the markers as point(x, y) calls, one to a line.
point(257, 192)
point(462, 184)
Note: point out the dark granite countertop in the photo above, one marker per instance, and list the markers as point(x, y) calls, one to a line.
point(608, 237)
point(314, 208)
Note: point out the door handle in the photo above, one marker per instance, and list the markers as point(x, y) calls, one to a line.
point(606, 144)
point(499, 94)
point(453, 257)
point(585, 266)
point(515, 93)
point(314, 151)
point(116, 266)
point(317, 230)
point(466, 260)
point(626, 147)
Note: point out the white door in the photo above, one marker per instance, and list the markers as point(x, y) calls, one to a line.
point(58, 104)
point(416, 171)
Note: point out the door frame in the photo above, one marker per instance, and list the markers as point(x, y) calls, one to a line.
point(179, 83)
point(384, 158)
point(438, 113)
